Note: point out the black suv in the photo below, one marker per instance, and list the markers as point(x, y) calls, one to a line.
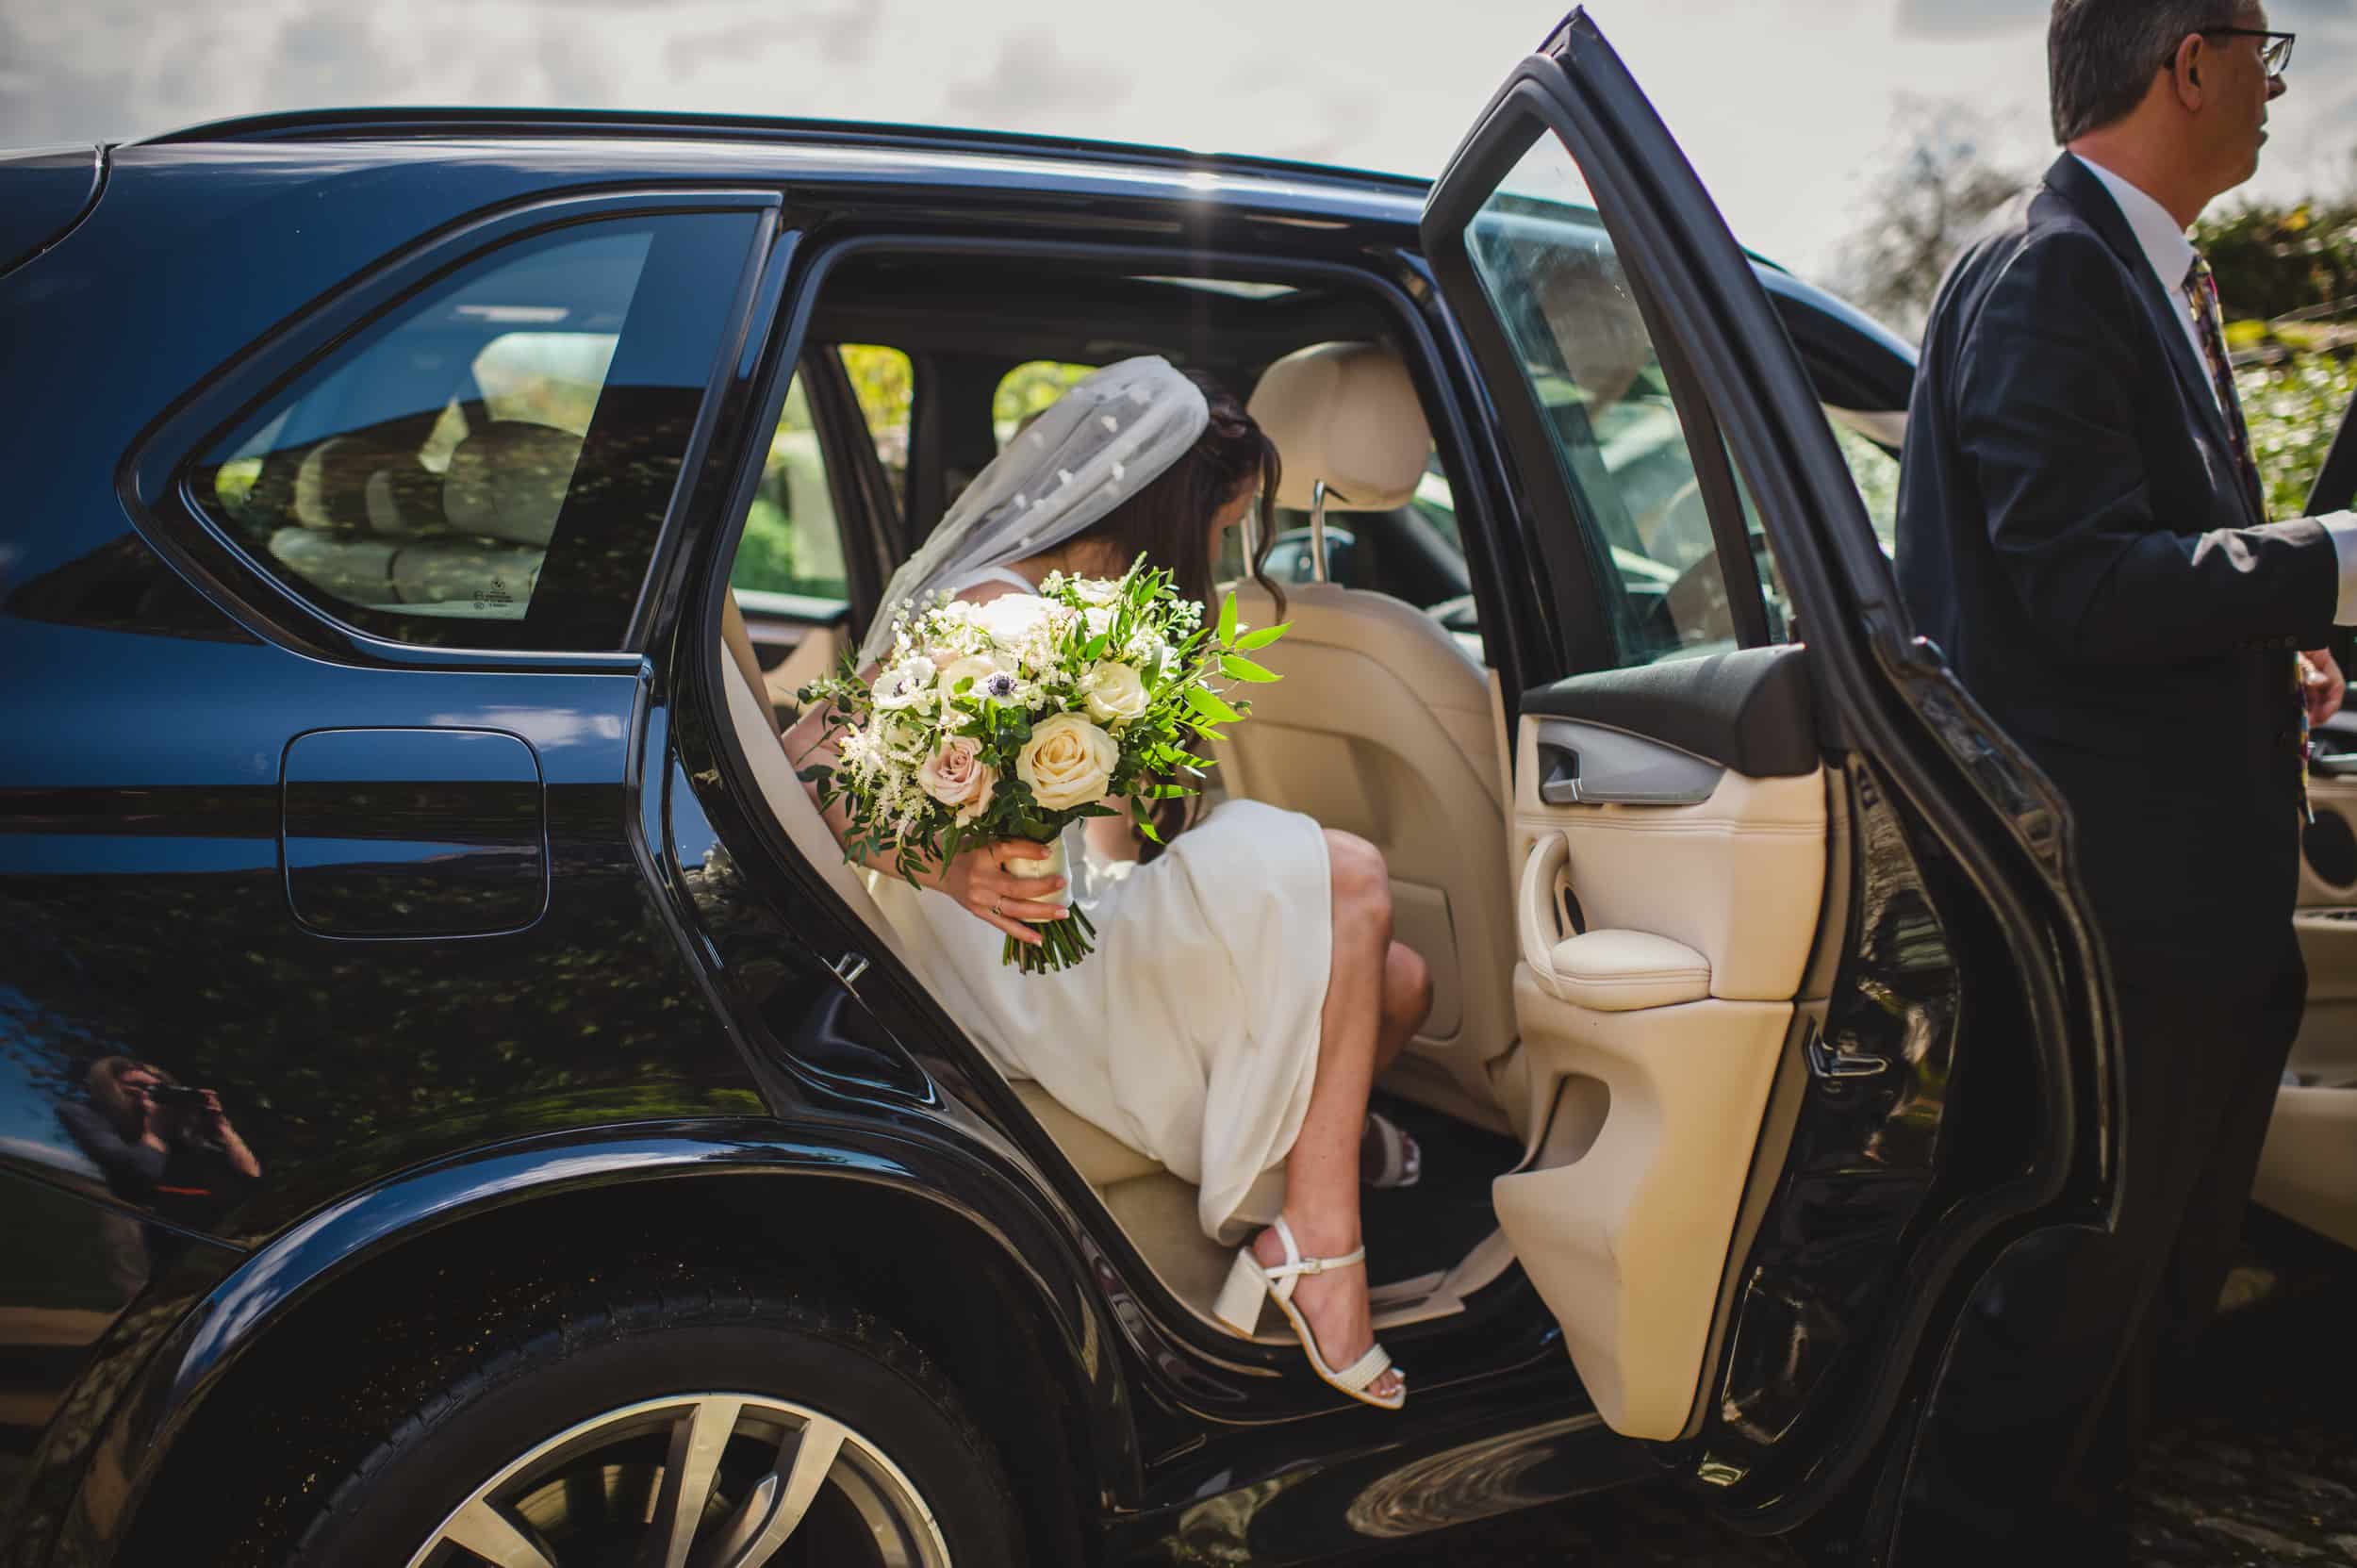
point(458, 1105)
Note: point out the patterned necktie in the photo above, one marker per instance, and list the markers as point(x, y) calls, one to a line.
point(2209, 322)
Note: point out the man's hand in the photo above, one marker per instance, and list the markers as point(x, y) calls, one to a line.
point(2322, 684)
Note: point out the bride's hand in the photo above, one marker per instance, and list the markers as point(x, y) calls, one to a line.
point(979, 880)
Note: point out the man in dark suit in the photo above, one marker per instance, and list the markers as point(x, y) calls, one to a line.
point(2081, 528)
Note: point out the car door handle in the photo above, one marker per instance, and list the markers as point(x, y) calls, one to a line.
point(1586, 764)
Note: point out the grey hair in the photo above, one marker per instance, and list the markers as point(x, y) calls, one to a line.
point(2100, 54)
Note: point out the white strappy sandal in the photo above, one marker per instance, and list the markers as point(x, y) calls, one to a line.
point(1249, 1284)
point(1403, 1157)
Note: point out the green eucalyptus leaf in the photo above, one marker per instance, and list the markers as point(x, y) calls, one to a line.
point(1207, 703)
point(1236, 666)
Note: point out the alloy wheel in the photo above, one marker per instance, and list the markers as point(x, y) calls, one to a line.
point(694, 1480)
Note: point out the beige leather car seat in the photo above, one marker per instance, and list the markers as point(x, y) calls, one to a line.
point(1155, 1209)
point(1382, 724)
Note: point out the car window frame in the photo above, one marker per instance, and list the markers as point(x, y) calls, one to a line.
point(153, 478)
point(1563, 523)
point(1447, 384)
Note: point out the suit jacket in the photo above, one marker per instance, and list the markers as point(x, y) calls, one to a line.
point(2076, 533)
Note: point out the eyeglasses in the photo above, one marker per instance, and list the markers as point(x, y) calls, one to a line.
point(2275, 54)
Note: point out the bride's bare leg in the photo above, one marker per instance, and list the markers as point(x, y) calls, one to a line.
point(1407, 1003)
point(1322, 1172)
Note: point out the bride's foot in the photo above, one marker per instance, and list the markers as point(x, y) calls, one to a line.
point(1334, 1303)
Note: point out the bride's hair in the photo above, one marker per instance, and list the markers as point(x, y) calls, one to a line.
point(1165, 521)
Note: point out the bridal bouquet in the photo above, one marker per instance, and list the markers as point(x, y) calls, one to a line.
point(1016, 718)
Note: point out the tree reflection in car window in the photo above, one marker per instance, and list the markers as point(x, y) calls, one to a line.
point(1550, 271)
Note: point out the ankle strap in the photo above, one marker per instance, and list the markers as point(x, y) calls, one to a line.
point(1295, 1264)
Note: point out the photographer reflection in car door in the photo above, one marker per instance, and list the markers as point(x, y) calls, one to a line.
point(2083, 530)
point(167, 1147)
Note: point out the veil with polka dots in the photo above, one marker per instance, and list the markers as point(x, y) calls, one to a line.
point(1097, 444)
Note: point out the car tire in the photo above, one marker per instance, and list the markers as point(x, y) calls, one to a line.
point(612, 1385)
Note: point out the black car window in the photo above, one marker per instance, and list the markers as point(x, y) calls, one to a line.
point(488, 463)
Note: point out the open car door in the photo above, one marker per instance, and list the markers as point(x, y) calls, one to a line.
point(1810, 1016)
point(2307, 1172)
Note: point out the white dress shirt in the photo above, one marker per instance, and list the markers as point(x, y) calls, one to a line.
point(2170, 255)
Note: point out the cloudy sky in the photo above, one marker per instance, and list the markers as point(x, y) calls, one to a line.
point(1785, 106)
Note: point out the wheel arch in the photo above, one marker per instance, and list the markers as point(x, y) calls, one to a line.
point(501, 1228)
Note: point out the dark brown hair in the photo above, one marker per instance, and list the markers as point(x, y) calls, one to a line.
point(1165, 521)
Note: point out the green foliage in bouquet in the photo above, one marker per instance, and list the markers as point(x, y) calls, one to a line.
point(1016, 718)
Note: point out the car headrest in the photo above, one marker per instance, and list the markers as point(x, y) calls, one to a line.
point(1345, 413)
point(507, 481)
point(328, 482)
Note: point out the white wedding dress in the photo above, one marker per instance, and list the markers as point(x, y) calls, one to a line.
point(1191, 1033)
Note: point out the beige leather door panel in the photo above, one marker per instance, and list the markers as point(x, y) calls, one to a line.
point(2308, 1171)
point(1651, 1038)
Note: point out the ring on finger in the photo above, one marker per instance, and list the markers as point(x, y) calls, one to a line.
point(994, 908)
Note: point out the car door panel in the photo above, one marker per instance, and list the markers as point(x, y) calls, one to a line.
point(1662, 949)
point(2307, 1171)
point(1752, 1207)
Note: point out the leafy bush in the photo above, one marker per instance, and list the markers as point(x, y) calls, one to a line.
point(2272, 261)
point(2294, 407)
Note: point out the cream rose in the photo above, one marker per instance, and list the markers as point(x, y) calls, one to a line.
point(1068, 762)
point(1115, 693)
point(956, 775)
point(1010, 617)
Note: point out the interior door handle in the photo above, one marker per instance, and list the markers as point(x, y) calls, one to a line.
point(1582, 765)
point(1558, 775)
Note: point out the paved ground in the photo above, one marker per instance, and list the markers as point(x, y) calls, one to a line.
point(2254, 1464)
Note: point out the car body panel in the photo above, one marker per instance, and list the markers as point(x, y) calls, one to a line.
point(48, 190)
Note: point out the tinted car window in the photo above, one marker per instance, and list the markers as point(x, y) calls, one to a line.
point(1550, 273)
point(489, 464)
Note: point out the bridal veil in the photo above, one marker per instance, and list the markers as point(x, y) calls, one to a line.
point(1094, 447)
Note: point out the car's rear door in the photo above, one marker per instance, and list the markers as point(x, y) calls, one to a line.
point(1773, 898)
point(2307, 1172)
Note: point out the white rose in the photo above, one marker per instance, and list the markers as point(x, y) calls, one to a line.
point(1098, 619)
point(905, 684)
point(1095, 591)
point(974, 666)
point(1010, 617)
point(957, 776)
point(1068, 762)
point(1114, 692)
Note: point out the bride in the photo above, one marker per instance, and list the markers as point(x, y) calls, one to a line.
point(1245, 991)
